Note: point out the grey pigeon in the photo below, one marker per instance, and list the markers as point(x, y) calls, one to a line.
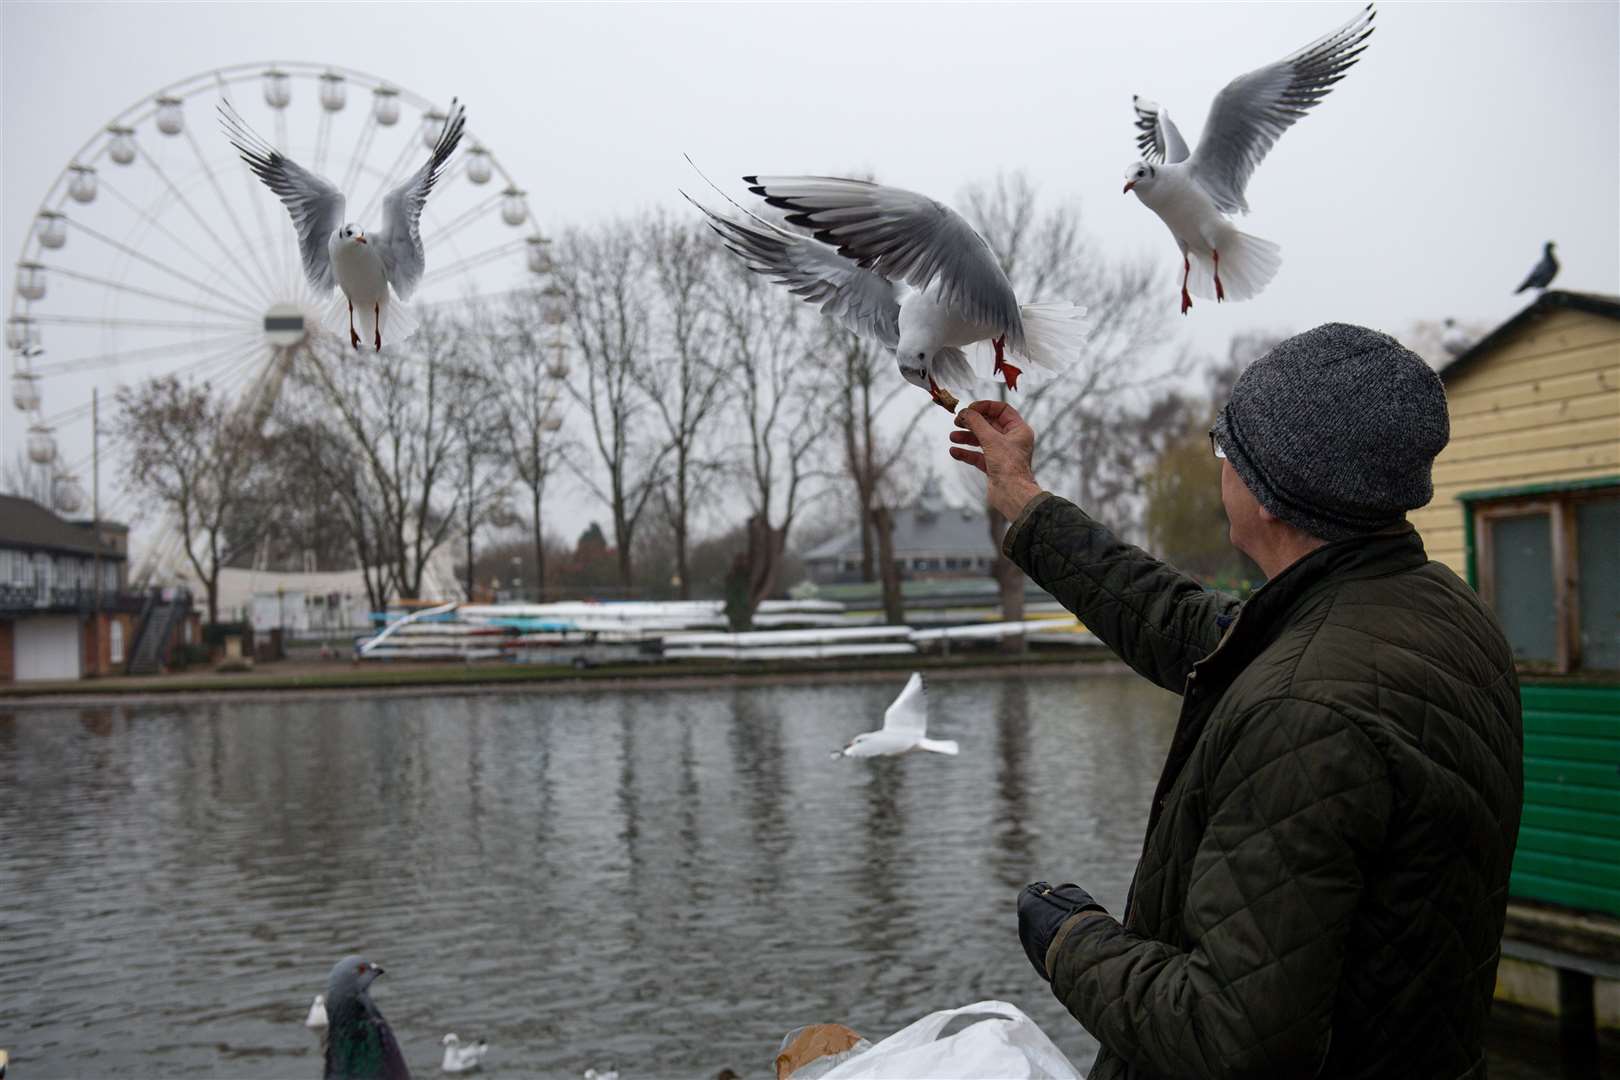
point(359, 1043)
point(1545, 271)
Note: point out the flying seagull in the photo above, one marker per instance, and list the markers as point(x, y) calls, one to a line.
point(1192, 193)
point(1545, 271)
point(905, 728)
point(903, 270)
point(341, 253)
point(359, 1043)
point(462, 1057)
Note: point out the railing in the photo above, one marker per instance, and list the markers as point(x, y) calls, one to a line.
point(66, 598)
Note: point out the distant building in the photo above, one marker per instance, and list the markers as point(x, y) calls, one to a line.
point(932, 540)
point(1527, 508)
point(64, 609)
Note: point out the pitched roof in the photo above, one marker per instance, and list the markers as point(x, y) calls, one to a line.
point(1547, 302)
point(929, 525)
point(26, 524)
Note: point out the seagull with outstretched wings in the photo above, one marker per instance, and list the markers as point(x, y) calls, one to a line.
point(1192, 192)
point(905, 728)
point(903, 270)
point(341, 253)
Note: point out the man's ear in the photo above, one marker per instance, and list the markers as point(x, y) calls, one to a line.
point(1265, 515)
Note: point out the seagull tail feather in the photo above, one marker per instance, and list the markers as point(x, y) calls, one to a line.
point(1054, 334)
point(1248, 264)
point(939, 746)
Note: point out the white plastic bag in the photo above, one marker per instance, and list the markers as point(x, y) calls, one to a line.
point(1001, 1043)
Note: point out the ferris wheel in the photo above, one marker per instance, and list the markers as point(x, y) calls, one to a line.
point(157, 252)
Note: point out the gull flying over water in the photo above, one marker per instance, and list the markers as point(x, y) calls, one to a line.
point(1193, 192)
point(903, 270)
point(363, 265)
point(905, 728)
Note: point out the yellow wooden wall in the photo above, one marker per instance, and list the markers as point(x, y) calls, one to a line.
point(1543, 406)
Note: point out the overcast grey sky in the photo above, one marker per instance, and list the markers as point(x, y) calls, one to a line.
point(1423, 186)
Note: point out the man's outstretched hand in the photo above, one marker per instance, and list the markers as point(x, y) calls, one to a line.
point(1005, 452)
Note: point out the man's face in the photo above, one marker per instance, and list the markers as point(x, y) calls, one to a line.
point(1244, 516)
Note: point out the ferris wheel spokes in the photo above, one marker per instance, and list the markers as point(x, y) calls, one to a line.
point(232, 258)
point(148, 352)
point(230, 212)
point(140, 256)
point(135, 290)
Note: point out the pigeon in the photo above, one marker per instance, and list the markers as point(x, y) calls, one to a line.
point(1545, 271)
point(1192, 193)
point(1454, 339)
point(460, 1058)
point(359, 1043)
point(903, 270)
point(341, 253)
point(316, 1020)
point(905, 725)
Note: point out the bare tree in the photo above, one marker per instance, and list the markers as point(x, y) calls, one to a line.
point(190, 454)
point(864, 385)
point(603, 284)
point(531, 362)
point(475, 415)
point(318, 463)
point(1046, 256)
point(680, 375)
point(397, 412)
point(777, 398)
point(25, 479)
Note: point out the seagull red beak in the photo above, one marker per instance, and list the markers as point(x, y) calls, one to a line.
point(359, 239)
point(1128, 185)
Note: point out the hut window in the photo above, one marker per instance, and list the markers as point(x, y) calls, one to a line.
point(1549, 567)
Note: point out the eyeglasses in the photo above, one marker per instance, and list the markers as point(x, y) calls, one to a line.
point(1215, 446)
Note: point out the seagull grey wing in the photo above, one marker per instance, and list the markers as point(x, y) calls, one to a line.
point(909, 713)
point(316, 206)
point(863, 301)
point(400, 244)
point(1157, 136)
point(902, 236)
point(1252, 111)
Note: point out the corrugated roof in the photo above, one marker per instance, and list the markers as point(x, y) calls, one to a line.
point(1551, 300)
point(26, 524)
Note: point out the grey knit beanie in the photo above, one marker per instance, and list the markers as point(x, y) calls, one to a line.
point(1335, 430)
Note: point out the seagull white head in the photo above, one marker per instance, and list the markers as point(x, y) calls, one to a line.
point(912, 356)
point(1140, 176)
point(353, 234)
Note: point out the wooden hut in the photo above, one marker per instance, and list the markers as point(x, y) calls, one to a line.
point(1527, 509)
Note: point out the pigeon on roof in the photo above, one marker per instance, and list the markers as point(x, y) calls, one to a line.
point(1545, 271)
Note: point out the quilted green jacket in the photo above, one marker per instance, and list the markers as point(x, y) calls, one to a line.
point(1324, 879)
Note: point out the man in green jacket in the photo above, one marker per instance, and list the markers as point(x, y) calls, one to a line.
point(1324, 878)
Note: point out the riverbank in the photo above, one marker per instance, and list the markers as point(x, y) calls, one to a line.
point(344, 678)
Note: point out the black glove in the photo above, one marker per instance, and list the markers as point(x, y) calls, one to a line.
point(1042, 909)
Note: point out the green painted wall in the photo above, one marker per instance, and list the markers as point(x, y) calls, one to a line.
point(1569, 840)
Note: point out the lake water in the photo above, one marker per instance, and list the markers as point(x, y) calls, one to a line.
point(665, 879)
